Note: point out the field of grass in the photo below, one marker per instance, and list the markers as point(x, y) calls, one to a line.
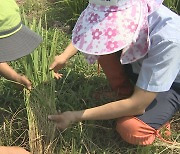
point(73, 92)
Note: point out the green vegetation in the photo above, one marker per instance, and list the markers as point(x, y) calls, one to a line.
point(40, 102)
point(24, 115)
point(173, 5)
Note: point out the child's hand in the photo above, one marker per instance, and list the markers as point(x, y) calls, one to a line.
point(9, 73)
point(24, 81)
point(63, 120)
point(59, 63)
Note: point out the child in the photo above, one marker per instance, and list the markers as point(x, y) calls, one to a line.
point(16, 40)
point(148, 35)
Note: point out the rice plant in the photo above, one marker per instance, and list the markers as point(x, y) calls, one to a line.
point(40, 101)
point(173, 5)
point(86, 137)
point(13, 129)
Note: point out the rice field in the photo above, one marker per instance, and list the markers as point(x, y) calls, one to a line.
point(24, 114)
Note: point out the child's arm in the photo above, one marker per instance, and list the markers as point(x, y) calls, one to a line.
point(134, 105)
point(9, 73)
point(61, 59)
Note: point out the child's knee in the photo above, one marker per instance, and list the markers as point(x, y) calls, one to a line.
point(135, 131)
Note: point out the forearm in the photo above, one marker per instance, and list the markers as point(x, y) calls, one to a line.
point(134, 105)
point(69, 51)
point(8, 72)
point(108, 111)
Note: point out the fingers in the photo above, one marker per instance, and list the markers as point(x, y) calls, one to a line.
point(22, 82)
point(59, 121)
point(57, 75)
point(53, 65)
point(58, 63)
point(26, 82)
point(55, 118)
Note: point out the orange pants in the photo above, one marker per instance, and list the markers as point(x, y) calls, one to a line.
point(143, 129)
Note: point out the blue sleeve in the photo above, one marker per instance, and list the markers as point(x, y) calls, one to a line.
point(161, 67)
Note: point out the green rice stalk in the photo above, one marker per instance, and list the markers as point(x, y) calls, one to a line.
point(40, 101)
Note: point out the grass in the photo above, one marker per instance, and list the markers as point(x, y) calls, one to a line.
point(73, 92)
point(66, 12)
point(173, 5)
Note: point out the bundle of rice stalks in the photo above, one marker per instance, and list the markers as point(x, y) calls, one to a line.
point(40, 101)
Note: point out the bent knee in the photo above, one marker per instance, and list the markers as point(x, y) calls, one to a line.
point(135, 131)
